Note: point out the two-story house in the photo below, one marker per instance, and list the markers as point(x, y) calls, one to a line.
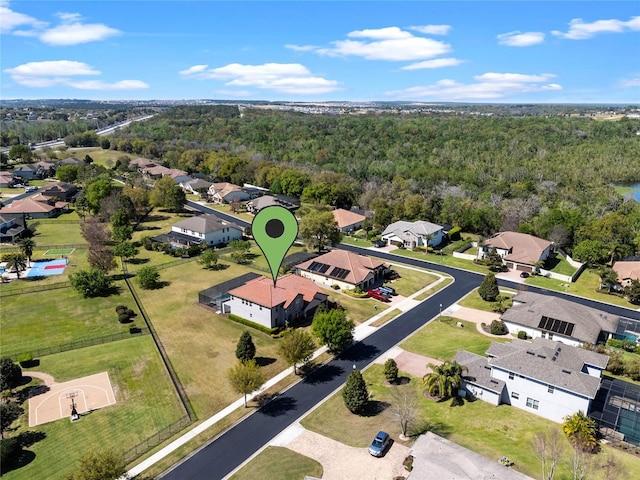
point(291, 299)
point(544, 377)
point(207, 229)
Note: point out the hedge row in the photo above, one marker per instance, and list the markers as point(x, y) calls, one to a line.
point(249, 323)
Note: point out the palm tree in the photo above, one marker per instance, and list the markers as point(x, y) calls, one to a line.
point(581, 431)
point(17, 262)
point(446, 379)
point(26, 246)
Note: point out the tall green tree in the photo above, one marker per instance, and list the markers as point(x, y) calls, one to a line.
point(148, 277)
point(27, 245)
point(245, 377)
point(488, 290)
point(125, 250)
point(391, 370)
point(16, 262)
point(91, 283)
point(9, 413)
point(319, 228)
point(96, 191)
point(240, 250)
point(166, 194)
point(245, 349)
point(99, 465)
point(296, 346)
point(333, 329)
point(10, 374)
point(445, 380)
point(355, 393)
point(209, 259)
point(632, 291)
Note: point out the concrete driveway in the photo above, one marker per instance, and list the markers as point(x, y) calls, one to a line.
point(340, 461)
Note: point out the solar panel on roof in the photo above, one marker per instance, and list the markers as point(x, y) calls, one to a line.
point(556, 326)
point(318, 267)
point(339, 273)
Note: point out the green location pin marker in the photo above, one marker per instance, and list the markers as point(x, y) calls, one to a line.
point(275, 229)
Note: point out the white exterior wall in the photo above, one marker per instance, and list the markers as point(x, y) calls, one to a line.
point(482, 394)
point(514, 328)
point(250, 311)
point(552, 406)
point(225, 235)
point(437, 239)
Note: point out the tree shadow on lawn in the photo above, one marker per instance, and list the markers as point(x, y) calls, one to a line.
point(323, 374)
point(137, 261)
point(278, 406)
point(426, 425)
point(374, 408)
point(264, 361)
point(22, 457)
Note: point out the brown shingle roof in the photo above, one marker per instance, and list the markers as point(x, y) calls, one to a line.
point(345, 218)
point(27, 205)
point(524, 248)
point(263, 292)
point(358, 266)
point(627, 270)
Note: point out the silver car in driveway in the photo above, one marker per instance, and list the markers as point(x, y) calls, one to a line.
point(380, 444)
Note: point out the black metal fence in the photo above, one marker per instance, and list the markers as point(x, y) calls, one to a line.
point(82, 343)
point(9, 291)
point(155, 439)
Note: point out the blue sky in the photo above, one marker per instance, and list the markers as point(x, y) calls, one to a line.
point(535, 51)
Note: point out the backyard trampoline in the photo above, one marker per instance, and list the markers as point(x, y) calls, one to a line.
point(47, 267)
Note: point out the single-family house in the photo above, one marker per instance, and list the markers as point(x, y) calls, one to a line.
point(197, 186)
point(291, 299)
point(6, 179)
point(559, 319)
point(140, 163)
point(225, 192)
point(11, 228)
point(207, 229)
point(545, 377)
point(627, 271)
point(347, 220)
point(519, 251)
point(28, 171)
point(257, 204)
point(37, 206)
point(346, 269)
point(181, 180)
point(61, 191)
point(414, 234)
point(158, 171)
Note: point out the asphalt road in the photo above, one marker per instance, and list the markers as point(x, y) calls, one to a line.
point(234, 446)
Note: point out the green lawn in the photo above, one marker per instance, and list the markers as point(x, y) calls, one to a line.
point(560, 265)
point(385, 318)
point(279, 463)
point(358, 242)
point(411, 280)
point(443, 339)
point(448, 260)
point(146, 403)
point(474, 300)
point(41, 319)
point(491, 431)
point(226, 208)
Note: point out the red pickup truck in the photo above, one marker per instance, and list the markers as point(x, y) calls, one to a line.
point(378, 295)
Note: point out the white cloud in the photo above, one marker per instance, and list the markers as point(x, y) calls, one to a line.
point(435, 63)
point(487, 86)
point(292, 78)
point(62, 72)
point(579, 30)
point(389, 43)
point(71, 30)
point(631, 82)
point(9, 19)
point(301, 48)
point(432, 29)
point(519, 39)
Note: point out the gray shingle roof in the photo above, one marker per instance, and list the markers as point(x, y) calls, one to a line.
point(588, 321)
point(205, 224)
point(550, 362)
point(419, 228)
point(479, 372)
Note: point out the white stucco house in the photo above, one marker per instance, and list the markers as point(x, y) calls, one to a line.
point(544, 377)
point(225, 192)
point(207, 229)
point(413, 234)
point(345, 269)
point(558, 319)
point(519, 251)
point(292, 299)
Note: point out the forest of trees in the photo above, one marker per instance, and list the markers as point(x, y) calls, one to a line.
point(550, 176)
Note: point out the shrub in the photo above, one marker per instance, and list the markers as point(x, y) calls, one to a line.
point(498, 327)
point(123, 317)
point(522, 335)
point(489, 288)
point(121, 309)
point(354, 393)
point(391, 370)
point(251, 324)
point(454, 234)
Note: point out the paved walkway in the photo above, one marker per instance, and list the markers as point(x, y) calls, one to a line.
point(361, 331)
point(45, 377)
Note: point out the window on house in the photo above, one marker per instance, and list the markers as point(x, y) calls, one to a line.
point(515, 395)
point(511, 375)
point(531, 403)
point(550, 336)
point(551, 389)
point(543, 335)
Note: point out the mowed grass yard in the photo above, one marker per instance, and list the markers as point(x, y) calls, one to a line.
point(491, 431)
point(53, 317)
point(279, 463)
point(146, 403)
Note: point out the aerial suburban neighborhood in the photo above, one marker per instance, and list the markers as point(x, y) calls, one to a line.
point(173, 254)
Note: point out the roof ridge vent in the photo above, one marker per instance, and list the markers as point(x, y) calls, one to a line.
point(564, 370)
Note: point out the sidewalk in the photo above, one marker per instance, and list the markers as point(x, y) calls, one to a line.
point(361, 332)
